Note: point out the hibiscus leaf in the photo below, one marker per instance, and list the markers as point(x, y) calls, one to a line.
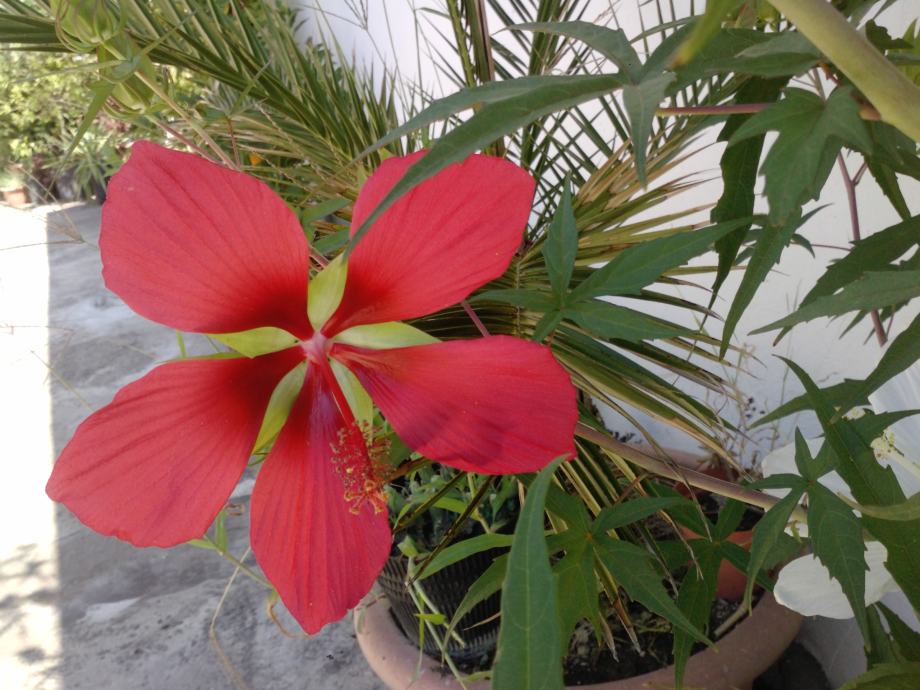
point(738, 166)
point(528, 652)
point(786, 53)
point(634, 570)
point(640, 102)
point(873, 290)
point(897, 676)
point(493, 121)
point(770, 529)
point(900, 354)
point(880, 648)
point(705, 28)
point(871, 484)
point(906, 639)
point(561, 245)
point(606, 320)
point(695, 598)
point(836, 537)
point(811, 132)
point(611, 43)
point(546, 325)
point(643, 264)
point(576, 587)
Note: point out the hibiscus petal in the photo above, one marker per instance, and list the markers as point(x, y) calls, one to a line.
point(321, 557)
point(496, 405)
point(156, 465)
point(453, 233)
point(806, 586)
point(198, 247)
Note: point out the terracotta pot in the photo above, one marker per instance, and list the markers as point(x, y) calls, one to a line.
point(731, 582)
point(733, 664)
point(16, 197)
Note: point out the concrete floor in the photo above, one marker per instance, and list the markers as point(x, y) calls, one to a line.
point(82, 611)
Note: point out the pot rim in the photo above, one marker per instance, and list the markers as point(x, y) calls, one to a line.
point(751, 652)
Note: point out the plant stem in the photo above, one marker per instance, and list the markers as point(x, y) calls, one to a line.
point(681, 474)
point(849, 185)
point(483, 331)
point(895, 97)
point(866, 112)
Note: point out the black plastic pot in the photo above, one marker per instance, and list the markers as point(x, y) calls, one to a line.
point(445, 590)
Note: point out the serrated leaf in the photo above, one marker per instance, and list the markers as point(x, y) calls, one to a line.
point(811, 131)
point(871, 484)
point(695, 598)
point(738, 167)
point(766, 254)
point(767, 533)
point(576, 587)
point(900, 354)
point(561, 245)
point(906, 639)
point(880, 647)
point(837, 541)
point(634, 570)
point(528, 652)
point(493, 121)
point(644, 263)
point(606, 320)
point(611, 43)
point(640, 102)
point(873, 290)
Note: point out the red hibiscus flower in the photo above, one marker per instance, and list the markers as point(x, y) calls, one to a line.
point(201, 248)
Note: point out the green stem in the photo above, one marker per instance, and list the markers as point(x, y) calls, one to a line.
point(895, 97)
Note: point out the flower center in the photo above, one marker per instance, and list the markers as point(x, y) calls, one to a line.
point(316, 348)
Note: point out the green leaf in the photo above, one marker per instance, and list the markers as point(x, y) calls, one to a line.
point(900, 354)
point(836, 537)
point(492, 121)
point(485, 586)
point(606, 320)
point(871, 484)
point(611, 43)
point(546, 325)
point(576, 587)
point(766, 254)
point(641, 101)
point(443, 108)
point(318, 211)
point(900, 676)
point(528, 653)
point(325, 292)
point(382, 336)
point(561, 245)
point(873, 290)
point(464, 549)
point(519, 297)
point(256, 341)
point(739, 166)
point(705, 27)
point(643, 264)
point(906, 639)
point(786, 53)
point(811, 131)
point(631, 511)
point(633, 569)
point(280, 404)
point(909, 510)
point(880, 648)
point(695, 598)
point(767, 533)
